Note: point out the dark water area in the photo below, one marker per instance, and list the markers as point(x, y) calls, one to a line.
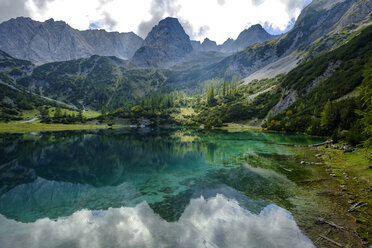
point(153, 188)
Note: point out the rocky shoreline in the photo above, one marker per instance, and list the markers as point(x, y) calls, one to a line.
point(351, 169)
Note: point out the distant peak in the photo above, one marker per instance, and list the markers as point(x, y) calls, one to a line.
point(256, 26)
point(228, 41)
point(169, 23)
point(51, 21)
point(169, 20)
point(166, 44)
point(208, 42)
point(21, 19)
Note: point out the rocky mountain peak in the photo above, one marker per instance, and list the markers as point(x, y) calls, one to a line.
point(166, 44)
point(228, 41)
point(168, 30)
point(51, 20)
point(20, 19)
point(256, 27)
point(209, 45)
point(254, 34)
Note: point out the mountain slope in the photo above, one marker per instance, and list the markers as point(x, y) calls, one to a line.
point(14, 100)
point(49, 41)
point(329, 77)
point(321, 96)
point(318, 19)
point(108, 81)
point(166, 44)
point(92, 83)
point(12, 69)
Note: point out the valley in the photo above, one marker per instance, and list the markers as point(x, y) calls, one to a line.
point(67, 93)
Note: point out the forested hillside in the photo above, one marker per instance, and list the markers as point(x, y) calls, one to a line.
point(93, 83)
point(329, 95)
point(327, 92)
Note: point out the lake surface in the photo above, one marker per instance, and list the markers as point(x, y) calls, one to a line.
point(151, 188)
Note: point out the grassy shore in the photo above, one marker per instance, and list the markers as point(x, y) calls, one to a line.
point(239, 127)
point(19, 127)
point(29, 114)
point(353, 171)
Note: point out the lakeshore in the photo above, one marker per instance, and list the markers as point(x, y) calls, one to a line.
point(346, 176)
point(353, 172)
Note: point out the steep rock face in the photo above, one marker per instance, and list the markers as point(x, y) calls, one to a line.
point(248, 37)
point(316, 20)
point(122, 45)
point(360, 11)
point(196, 46)
point(228, 43)
point(16, 35)
point(49, 41)
point(166, 44)
point(53, 41)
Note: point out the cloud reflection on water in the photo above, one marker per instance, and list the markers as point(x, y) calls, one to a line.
point(214, 222)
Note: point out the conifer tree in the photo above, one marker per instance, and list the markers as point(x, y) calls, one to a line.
point(210, 96)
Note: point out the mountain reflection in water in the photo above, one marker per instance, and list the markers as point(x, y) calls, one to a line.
point(159, 188)
point(214, 222)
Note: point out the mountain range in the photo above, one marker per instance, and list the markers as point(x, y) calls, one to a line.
point(167, 59)
point(165, 45)
point(248, 37)
point(321, 26)
point(50, 41)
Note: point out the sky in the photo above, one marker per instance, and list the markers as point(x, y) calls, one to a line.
point(216, 19)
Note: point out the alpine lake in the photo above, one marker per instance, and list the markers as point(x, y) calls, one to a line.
point(167, 187)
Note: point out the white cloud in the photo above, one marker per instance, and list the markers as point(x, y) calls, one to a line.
point(127, 15)
point(218, 20)
point(228, 20)
point(216, 222)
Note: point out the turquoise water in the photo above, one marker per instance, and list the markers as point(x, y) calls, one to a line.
point(149, 188)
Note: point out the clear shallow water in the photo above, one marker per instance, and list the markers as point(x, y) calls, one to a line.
point(143, 188)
